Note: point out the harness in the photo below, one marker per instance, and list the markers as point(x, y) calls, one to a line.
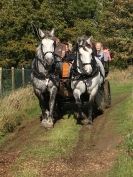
point(50, 74)
point(84, 76)
point(93, 63)
point(36, 71)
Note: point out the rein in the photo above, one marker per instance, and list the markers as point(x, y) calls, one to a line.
point(36, 71)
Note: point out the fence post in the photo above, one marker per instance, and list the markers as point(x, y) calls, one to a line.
point(13, 78)
point(23, 77)
point(0, 81)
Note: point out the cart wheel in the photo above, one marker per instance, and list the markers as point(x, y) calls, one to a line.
point(57, 110)
point(107, 94)
point(99, 100)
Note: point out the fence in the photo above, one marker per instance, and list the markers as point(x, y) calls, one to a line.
point(11, 79)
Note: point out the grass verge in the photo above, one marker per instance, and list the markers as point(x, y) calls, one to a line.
point(122, 115)
point(14, 110)
point(59, 142)
point(39, 145)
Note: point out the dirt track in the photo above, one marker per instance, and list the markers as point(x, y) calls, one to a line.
point(93, 155)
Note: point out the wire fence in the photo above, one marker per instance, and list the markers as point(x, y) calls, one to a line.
point(12, 79)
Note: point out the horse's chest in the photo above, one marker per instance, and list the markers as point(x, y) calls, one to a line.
point(88, 83)
point(47, 82)
point(41, 84)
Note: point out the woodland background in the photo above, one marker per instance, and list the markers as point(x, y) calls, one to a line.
point(109, 21)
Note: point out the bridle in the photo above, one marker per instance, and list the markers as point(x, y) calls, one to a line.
point(44, 63)
point(44, 54)
point(93, 64)
point(84, 48)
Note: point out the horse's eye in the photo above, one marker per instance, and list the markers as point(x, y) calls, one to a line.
point(88, 45)
point(54, 44)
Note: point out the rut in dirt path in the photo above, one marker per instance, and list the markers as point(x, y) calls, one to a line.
point(94, 154)
point(12, 149)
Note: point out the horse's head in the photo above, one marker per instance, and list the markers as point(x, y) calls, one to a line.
point(47, 46)
point(85, 52)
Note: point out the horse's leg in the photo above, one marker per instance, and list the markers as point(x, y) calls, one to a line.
point(90, 104)
point(53, 92)
point(48, 121)
point(77, 94)
point(90, 111)
point(42, 103)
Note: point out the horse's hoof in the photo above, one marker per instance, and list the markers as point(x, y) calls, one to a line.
point(90, 122)
point(85, 121)
point(90, 126)
point(47, 123)
point(41, 118)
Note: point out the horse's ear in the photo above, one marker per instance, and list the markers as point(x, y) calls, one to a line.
point(52, 32)
point(78, 41)
point(89, 40)
point(41, 33)
point(35, 30)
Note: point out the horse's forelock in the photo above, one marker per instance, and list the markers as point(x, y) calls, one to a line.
point(82, 40)
point(48, 35)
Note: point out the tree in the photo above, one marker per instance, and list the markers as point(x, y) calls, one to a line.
point(108, 21)
point(70, 18)
point(116, 27)
point(15, 31)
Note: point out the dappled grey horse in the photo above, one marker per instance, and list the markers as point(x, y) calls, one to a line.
point(45, 86)
point(90, 76)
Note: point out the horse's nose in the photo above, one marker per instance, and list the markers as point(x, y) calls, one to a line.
point(50, 59)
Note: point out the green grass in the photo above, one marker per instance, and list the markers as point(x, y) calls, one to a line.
point(14, 110)
point(122, 116)
point(58, 142)
point(121, 88)
point(123, 167)
point(42, 145)
point(27, 172)
point(21, 107)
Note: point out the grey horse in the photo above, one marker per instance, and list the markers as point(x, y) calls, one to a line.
point(88, 78)
point(44, 85)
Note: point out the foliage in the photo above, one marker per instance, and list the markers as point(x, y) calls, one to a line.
point(116, 28)
point(71, 18)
